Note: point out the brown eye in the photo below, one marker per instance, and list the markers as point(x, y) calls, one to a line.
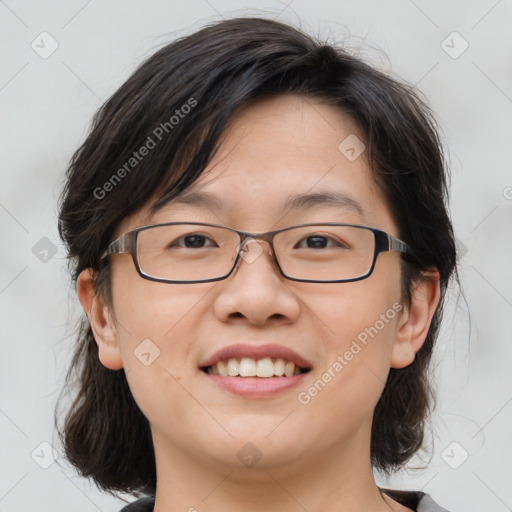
point(319, 242)
point(193, 241)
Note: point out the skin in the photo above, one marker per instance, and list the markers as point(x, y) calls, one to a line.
point(314, 456)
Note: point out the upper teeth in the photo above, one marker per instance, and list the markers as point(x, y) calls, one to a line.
point(248, 367)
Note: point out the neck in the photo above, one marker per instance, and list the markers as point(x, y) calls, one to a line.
point(337, 478)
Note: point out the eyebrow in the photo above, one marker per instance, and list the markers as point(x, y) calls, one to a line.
point(322, 198)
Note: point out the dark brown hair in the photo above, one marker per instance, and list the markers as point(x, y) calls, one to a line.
point(213, 72)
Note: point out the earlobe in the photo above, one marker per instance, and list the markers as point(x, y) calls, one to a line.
point(415, 321)
point(101, 320)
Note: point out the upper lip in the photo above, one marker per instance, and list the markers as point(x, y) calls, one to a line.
point(255, 352)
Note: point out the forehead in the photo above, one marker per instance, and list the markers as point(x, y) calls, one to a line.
point(282, 155)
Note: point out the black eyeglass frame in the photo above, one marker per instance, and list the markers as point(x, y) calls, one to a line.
point(127, 244)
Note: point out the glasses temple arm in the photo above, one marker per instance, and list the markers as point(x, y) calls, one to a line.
point(118, 246)
point(394, 244)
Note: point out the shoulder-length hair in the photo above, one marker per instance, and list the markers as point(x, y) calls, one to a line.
point(181, 98)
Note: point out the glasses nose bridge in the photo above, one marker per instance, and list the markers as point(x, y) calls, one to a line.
point(268, 237)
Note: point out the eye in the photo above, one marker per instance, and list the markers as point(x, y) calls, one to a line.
point(193, 241)
point(317, 241)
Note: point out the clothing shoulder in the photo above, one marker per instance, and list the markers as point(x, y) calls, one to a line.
point(141, 505)
point(415, 500)
point(427, 504)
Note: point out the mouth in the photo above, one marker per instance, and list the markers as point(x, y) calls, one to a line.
point(255, 371)
point(265, 368)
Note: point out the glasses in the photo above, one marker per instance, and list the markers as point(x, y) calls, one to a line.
point(193, 252)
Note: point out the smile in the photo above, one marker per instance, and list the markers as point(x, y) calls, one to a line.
point(265, 367)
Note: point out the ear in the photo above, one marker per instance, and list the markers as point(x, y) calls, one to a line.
point(101, 320)
point(415, 321)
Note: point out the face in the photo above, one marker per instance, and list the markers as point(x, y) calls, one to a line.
point(344, 333)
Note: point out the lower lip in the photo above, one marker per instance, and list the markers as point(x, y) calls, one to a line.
point(255, 387)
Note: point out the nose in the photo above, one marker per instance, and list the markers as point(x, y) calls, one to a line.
point(256, 291)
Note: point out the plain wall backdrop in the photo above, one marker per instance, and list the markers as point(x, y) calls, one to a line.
point(62, 59)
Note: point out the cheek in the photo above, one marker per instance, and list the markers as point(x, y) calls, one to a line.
point(348, 387)
point(157, 324)
point(361, 310)
point(361, 320)
point(160, 312)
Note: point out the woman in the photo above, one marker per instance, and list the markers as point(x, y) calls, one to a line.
point(258, 232)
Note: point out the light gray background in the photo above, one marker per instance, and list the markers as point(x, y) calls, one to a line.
point(46, 107)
